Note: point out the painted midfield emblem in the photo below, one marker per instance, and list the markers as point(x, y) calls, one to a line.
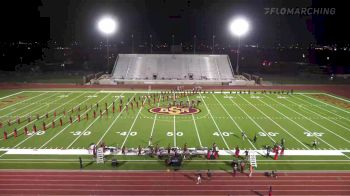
point(174, 110)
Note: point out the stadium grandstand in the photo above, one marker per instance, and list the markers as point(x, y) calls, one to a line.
point(173, 68)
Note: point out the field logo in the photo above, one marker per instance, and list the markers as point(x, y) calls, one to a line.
point(174, 110)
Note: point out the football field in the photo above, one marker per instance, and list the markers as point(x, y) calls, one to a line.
point(217, 117)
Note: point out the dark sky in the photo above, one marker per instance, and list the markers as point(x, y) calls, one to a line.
point(76, 20)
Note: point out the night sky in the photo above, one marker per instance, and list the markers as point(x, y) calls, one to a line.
point(65, 21)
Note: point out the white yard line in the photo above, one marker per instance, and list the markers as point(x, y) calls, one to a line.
point(133, 123)
point(195, 126)
point(154, 121)
point(102, 91)
point(233, 120)
point(257, 124)
point(23, 151)
point(322, 108)
point(25, 113)
point(326, 103)
point(31, 104)
point(50, 112)
point(35, 119)
point(86, 129)
point(216, 125)
point(277, 123)
point(306, 129)
point(290, 120)
point(348, 129)
point(174, 123)
point(20, 101)
point(40, 117)
point(337, 97)
point(115, 120)
point(13, 94)
point(312, 121)
point(174, 132)
point(72, 122)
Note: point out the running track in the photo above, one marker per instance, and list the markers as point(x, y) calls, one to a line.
point(169, 183)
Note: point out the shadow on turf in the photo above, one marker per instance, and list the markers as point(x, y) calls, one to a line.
point(190, 177)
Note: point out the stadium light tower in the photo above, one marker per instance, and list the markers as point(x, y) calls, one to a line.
point(239, 27)
point(107, 25)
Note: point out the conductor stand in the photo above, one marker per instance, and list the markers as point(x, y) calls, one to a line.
point(174, 160)
point(99, 155)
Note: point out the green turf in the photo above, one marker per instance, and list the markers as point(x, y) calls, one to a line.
point(298, 118)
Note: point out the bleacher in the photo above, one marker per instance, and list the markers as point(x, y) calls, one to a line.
point(172, 67)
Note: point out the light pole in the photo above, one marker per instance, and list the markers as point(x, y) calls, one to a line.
point(194, 44)
point(132, 43)
point(239, 27)
point(172, 46)
point(212, 51)
point(150, 36)
point(107, 26)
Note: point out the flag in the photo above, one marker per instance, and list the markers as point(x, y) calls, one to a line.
point(44, 126)
point(25, 130)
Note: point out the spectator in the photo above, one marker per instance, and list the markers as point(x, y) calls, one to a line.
point(242, 166)
point(81, 163)
point(251, 170)
point(235, 168)
point(199, 179)
point(209, 174)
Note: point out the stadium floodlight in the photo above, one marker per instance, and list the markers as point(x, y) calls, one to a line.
point(239, 27)
point(107, 25)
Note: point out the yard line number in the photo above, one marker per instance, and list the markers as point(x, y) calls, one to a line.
point(125, 133)
point(225, 134)
point(37, 133)
point(178, 133)
point(312, 134)
point(272, 134)
point(77, 133)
